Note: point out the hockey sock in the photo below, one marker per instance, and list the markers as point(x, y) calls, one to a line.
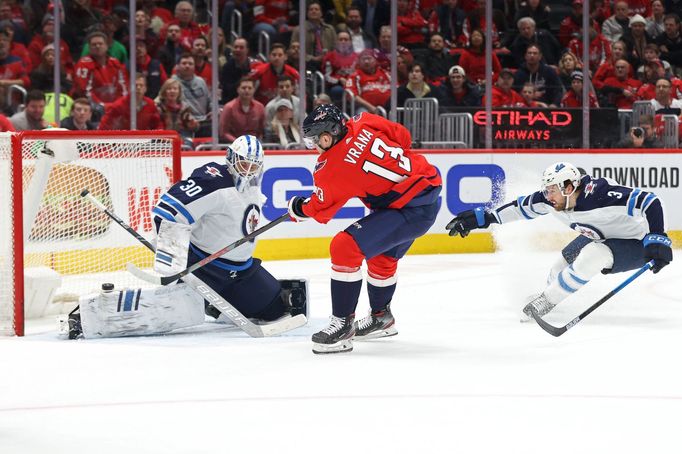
point(380, 292)
point(345, 287)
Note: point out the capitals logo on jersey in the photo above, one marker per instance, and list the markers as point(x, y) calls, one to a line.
point(319, 165)
point(210, 170)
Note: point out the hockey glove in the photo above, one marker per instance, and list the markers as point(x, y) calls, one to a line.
point(296, 209)
point(469, 220)
point(657, 247)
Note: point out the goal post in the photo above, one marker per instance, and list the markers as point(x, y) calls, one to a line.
point(55, 245)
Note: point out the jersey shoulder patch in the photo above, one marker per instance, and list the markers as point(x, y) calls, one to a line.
point(601, 193)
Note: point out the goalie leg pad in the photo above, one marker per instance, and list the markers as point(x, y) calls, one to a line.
point(140, 312)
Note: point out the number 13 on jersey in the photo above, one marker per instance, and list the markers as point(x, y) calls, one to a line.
point(379, 149)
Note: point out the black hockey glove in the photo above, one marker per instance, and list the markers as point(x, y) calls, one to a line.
point(469, 220)
point(296, 209)
point(657, 247)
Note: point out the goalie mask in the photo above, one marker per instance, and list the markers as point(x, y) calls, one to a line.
point(245, 161)
point(557, 176)
point(324, 118)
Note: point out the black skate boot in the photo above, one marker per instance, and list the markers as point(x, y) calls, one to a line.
point(337, 337)
point(376, 325)
point(540, 304)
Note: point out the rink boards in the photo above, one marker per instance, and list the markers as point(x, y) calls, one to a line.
point(470, 179)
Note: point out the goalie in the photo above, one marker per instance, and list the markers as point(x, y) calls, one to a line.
point(217, 205)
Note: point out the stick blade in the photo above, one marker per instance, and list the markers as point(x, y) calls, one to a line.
point(553, 330)
point(282, 326)
point(143, 275)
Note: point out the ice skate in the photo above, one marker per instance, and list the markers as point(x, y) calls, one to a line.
point(540, 304)
point(376, 325)
point(337, 337)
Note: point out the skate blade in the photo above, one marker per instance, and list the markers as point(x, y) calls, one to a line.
point(388, 332)
point(339, 347)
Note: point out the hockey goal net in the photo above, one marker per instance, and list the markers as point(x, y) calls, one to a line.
point(56, 245)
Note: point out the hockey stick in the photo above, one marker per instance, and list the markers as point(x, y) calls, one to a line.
point(165, 280)
point(558, 331)
point(250, 328)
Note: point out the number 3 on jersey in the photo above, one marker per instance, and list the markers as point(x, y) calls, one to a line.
point(379, 149)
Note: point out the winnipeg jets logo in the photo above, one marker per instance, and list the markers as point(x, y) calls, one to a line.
point(251, 218)
point(589, 188)
point(319, 165)
point(559, 167)
point(588, 231)
point(357, 225)
point(213, 171)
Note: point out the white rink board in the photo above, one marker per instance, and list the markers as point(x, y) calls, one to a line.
point(467, 182)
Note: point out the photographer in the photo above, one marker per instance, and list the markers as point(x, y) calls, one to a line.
point(642, 136)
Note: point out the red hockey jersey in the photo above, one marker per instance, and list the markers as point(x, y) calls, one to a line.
point(374, 163)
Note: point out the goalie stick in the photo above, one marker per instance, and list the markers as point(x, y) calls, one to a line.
point(165, 280)
point(246, 325)
point(557, 331)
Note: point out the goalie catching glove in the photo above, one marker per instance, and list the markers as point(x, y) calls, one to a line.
point(657, 247)
point(469, 220)
point(296, 209)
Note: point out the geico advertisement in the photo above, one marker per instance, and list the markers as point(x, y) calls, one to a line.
point(469, 180)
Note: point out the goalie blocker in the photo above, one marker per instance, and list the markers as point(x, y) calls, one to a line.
point(142, 312)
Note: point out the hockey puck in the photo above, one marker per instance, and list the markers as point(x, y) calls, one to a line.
point(108, 287)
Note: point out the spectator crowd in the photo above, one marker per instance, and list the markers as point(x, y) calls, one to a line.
point(635, 54)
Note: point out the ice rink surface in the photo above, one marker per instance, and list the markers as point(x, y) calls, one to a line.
point(463, 375)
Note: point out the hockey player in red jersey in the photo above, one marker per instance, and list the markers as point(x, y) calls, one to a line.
point(367, 157)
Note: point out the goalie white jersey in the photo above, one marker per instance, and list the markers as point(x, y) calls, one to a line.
point(603, 210)
point(217, 213)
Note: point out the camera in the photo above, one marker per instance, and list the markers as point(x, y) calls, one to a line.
point(638, 132)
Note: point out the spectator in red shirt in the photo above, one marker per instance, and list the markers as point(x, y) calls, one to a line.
point(271, 17)
point(117, 115)
point(202, 66)
point(38, 43)
point(412, 27)
point(99, 77)
point(12, 69)
point(503, 93)
point(175, 113)
point(5, 124)
point(370, 84)
point(189, 30)
point(606, 69)
point(572, 24)
point(16, 48)
point(574, 96)
point(151, 68)
point(12, 12)
point(599, 49)
point(158, 16)
point(267, 74)
point(472, 58)
point(338, 65)
point(621, 90)
point(242, 115)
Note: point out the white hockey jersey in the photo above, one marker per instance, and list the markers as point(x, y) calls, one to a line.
point(218, 213)
point(603, 210)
